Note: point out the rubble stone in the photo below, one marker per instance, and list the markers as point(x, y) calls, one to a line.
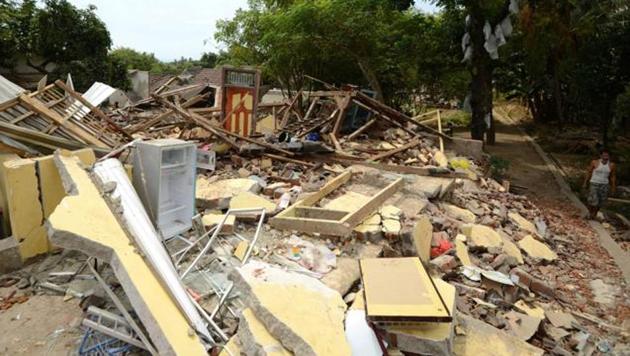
point(458, 213)
point(522, 325)
point(444, 263)
point(523, 223)
point(482, 236)
point(462, 251)
point(246, 200)
point(217, 195)
point(511, 249)
point(480, 338)
point(536, 249)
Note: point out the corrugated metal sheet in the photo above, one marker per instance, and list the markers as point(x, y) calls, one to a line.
point(97, 94)
point(9, 90)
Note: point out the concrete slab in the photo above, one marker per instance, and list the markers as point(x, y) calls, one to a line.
point(255, 338)
point(301, 312)
point(422, 234)
point(511, 249)
point(83, 221)
point(536, 249)
point(432, 187)
point(523, 223)
point(479, 338)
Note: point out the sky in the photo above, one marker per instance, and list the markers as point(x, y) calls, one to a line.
point(170, 29)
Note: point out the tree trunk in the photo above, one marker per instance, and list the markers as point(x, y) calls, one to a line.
point(557, 92)
point(481, 72)
point(372, 79)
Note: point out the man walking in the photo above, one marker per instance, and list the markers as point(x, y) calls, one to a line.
point(601, 177)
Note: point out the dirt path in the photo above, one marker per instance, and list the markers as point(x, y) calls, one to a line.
point(550, 192)
point(526, 168)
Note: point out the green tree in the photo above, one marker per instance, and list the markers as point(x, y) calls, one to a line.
point(59, 33)
point(133, 59)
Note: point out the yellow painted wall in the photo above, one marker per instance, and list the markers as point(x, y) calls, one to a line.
point(4, 204)
point(25, 209)
point(33, 189)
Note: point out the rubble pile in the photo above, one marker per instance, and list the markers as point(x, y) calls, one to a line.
point(344, 228)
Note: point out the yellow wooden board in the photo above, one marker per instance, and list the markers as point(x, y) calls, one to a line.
point(400, 290)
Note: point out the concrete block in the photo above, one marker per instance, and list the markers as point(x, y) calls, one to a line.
point(391, 228)
point(255, 339)
point(444, 263)
point(83, 221)
point(299, 311)
point(211, 220)
point(10, 259)
point(465, 147)
point(217, 195)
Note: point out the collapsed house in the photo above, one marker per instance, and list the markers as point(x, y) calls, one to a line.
point(238, 227)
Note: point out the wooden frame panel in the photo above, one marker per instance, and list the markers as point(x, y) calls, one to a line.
point(302, 216)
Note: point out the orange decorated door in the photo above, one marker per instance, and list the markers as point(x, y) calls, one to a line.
point(240, 110)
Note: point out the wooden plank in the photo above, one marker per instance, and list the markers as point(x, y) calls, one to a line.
point(310, 109)
point(145, 125)
point(219, 132)
point(356, 217)
point(439, 122)
point(395, 114)
point(290, 160)
point(323, 227)
point(321, 124)
point(39, 138)
point(360, 130)
point(335, 142)
point(420, 171)
point(328, 188)
point(8, 104)
point(343, 108)
point(40, 108)
point(402, 148)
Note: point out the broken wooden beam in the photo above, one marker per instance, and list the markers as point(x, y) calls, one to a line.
point(41, 109)
point(402, 148)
